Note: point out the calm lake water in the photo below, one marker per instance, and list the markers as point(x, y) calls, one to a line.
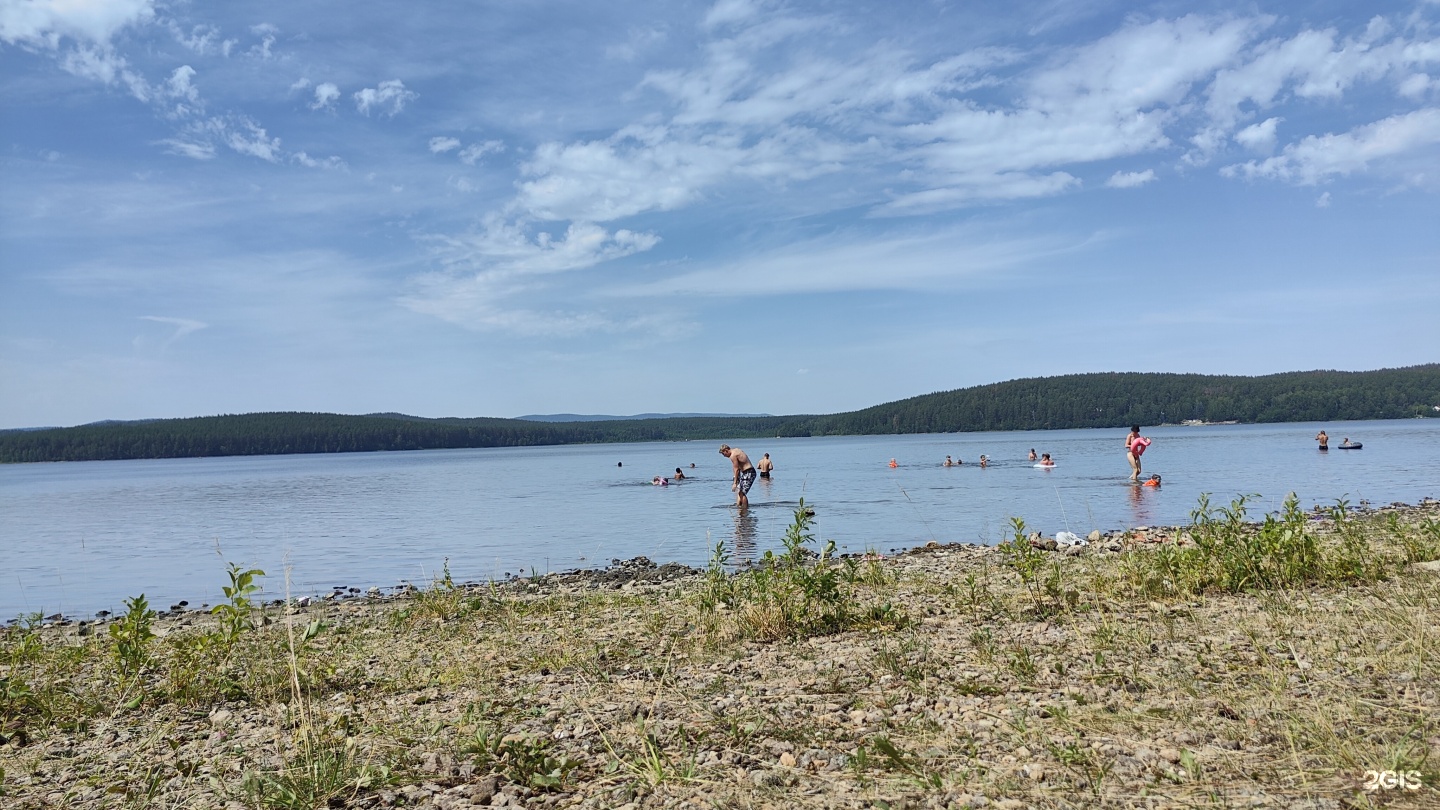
point(80, 537)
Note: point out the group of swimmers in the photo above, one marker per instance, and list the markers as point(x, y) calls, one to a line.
point(1042, 460)
point(663, 481)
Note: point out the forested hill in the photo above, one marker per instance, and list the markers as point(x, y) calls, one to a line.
point(1072, 401)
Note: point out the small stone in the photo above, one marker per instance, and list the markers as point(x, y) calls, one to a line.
point(1170, 754)
point(787, 759)
point(482, 791)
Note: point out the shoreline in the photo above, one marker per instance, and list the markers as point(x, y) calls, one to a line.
point(642, 570)
point(957, 677)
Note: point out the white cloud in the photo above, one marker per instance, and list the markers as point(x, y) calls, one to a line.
point(979, 188)
point(183, 327)
point(326, 94)
point(472, 153)
point(390, 94)
point(179, 87)
point(490, 268)
point(1416, 86)
point(267, 33)
point(1312, 65)
point(731, 12)
point(101, 63)
point(639, 41)
point(1112, 98)
point(1259, 137)
point(46, 22)
point(202, 39)
point(308, 162)
point(196, 150)
point(1316, 158)
point(248, 138)
point(1130, 179)
point(1323, 201)
point(923, 260)
point(441, 145)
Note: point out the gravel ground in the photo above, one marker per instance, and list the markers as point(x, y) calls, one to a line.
point(620, 689)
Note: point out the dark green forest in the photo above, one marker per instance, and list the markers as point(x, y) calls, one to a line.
point(1109, 400)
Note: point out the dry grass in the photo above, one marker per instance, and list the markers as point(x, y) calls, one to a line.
point(997, 684)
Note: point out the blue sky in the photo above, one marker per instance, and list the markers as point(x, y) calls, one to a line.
point(491, 209)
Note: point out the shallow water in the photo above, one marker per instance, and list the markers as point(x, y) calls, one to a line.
point(79, 537)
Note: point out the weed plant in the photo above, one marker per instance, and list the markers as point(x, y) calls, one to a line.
point(1043, 577)
point(523, 759)
point(131, 635)
point(796, 594)
point(235, 615)
point(1285, 551)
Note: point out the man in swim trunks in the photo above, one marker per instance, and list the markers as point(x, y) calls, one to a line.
point(744, 473)
point(765, 466)
point(1324, 440)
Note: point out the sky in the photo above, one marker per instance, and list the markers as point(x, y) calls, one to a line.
point(513, 207)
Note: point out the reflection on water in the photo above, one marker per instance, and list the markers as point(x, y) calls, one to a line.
point(80, 537)
point(747, 527)
point(1140, 505)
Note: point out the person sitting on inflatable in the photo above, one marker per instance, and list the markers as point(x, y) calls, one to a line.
point(1046, 461)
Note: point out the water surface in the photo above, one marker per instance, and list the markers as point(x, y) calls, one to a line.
point(79, 537)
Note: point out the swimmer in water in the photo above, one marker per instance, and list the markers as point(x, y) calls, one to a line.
point(1046, 461)
point(679, 474)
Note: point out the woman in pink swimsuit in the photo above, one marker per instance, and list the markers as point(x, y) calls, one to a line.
point(1135, 445)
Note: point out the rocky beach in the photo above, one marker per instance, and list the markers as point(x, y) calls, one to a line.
point(1231, 663)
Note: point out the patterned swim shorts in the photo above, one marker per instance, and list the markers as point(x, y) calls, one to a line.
point(746, 480)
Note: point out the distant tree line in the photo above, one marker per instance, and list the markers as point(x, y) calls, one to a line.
point(1071, 401)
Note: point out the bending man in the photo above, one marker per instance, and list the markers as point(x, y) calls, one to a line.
point(744, 473)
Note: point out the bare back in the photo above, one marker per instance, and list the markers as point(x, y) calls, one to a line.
point(740, 460)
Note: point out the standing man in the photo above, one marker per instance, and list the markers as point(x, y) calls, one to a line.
point(765, 466)
point(1324, 440)
point(744, 473)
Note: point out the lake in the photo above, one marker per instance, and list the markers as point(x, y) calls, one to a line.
point(79, 537)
